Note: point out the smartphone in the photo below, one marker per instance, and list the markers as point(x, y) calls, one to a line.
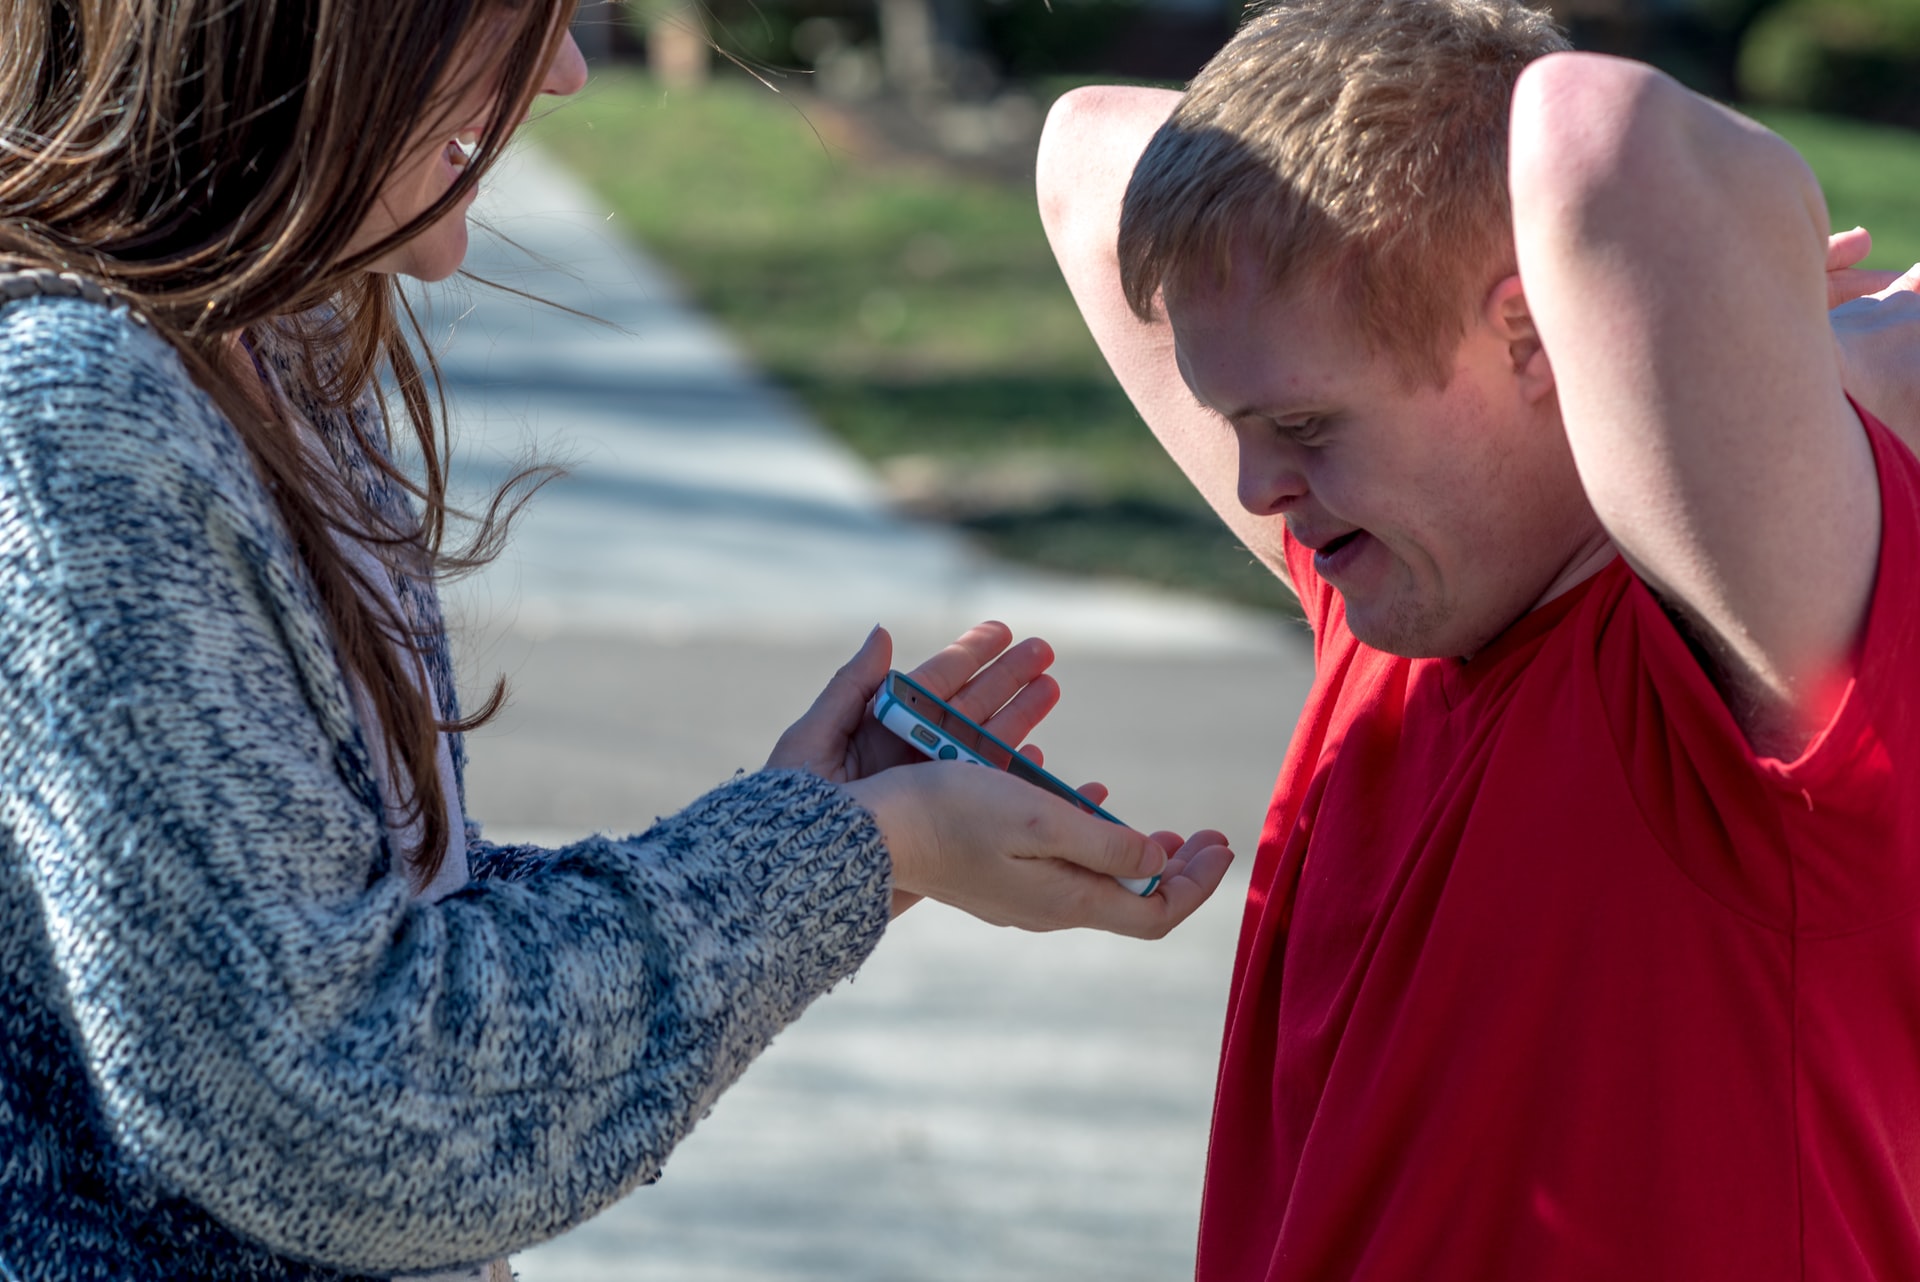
point(943, 732)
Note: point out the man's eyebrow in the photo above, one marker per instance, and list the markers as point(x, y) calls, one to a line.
point(1186, 381)
point(1208, 408)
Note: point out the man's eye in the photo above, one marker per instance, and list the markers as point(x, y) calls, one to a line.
point(1307, 431)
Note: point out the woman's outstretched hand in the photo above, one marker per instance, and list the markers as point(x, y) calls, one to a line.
point(979, 839)
point(1009, 853)
point(1000, 685)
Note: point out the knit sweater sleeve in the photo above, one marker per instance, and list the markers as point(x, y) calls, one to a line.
point(274, 1028)
point(497, 861)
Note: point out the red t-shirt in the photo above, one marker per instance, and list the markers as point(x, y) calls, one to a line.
point(1544, 975)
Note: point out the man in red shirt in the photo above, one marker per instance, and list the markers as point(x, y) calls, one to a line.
point(1583, 940)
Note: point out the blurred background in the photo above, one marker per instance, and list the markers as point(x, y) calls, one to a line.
point(836, 379)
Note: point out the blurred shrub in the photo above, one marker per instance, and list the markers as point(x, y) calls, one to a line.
point(1856, 57)
point(1031, 39)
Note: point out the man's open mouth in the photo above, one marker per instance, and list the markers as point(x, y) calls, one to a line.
point(1335, 545)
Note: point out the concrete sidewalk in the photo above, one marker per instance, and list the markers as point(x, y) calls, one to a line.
point(979, 1103)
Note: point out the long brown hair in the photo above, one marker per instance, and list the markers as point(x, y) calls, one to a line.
point(210, 161)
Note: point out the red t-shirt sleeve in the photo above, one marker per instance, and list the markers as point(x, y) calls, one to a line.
point(1831, 840)
point(1852, 798)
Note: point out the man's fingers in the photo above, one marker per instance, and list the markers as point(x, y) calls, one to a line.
point(1848, 248)
point(1845, 286)
point(1846, 280)
point(1906, 282)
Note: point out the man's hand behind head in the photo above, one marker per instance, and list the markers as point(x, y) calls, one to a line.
point(1878, 335)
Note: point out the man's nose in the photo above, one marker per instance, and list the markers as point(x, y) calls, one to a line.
point(1272, 478)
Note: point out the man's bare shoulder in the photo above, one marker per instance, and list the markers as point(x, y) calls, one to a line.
point(1674, 255)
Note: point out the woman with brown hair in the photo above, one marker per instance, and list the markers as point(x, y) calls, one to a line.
point(271, 1007)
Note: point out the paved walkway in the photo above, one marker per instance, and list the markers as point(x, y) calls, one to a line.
point(978, 1103)
point(702, 501)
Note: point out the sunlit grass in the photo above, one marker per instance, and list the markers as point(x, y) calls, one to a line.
point(1870, 173)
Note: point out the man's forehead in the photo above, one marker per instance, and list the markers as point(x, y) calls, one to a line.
point(1238, 344)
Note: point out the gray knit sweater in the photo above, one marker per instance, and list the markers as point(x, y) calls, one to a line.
point(232, 1044)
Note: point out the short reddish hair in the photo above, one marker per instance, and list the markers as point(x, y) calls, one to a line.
point(1359, 147)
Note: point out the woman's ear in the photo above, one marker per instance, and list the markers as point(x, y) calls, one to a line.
point(1507, 313)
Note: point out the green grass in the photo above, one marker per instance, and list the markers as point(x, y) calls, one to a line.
point(917, 312)
point(1871, 175)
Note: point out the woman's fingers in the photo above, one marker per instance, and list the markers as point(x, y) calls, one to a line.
point(946, 672)
point(853, 683)
point(1011, 854)
point(1187, 881)
point(1194, 870)
point(1191, 878)
point(983, 669)
point(1115, 852)
point(861, 675)
point(1169, 841)
point(818, 740)
point(1016, 717)
point(989, 690)
point(998, 686)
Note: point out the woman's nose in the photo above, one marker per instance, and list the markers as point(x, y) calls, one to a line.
point(567, 73)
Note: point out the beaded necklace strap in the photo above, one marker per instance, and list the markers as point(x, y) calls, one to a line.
point(31, 281)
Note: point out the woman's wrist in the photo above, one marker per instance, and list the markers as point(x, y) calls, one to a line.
point(887, 802)
point(899, 812)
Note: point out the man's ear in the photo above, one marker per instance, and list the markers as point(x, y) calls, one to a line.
point(1507, 313)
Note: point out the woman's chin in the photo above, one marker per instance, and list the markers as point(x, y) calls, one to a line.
point(432, 256)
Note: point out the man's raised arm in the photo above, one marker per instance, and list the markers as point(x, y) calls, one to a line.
point(1087, 154)
point(1673, 255)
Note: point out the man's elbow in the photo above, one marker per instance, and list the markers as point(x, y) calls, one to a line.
point(1603, 148)
point(1069, 136)
point(1093, 137)
point(1590, 135)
